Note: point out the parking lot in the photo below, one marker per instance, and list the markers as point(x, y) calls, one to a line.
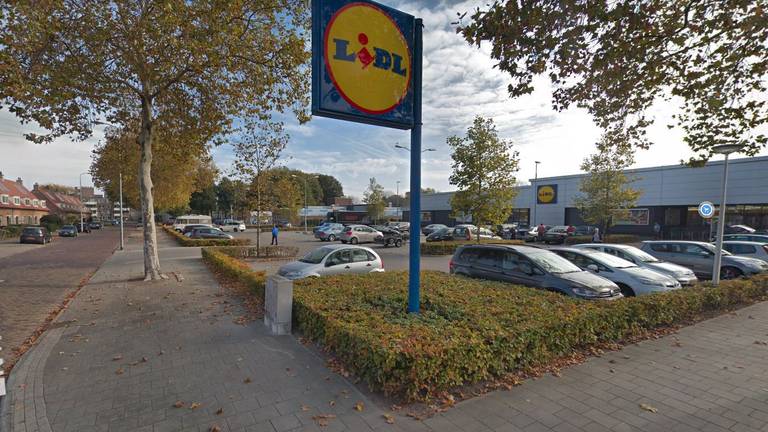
point(394, 258)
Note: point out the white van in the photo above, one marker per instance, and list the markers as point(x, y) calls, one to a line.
point(183, 221)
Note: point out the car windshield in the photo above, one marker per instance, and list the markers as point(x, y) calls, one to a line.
point(641, 256)
point(316, 256)
point(553, 263)
point(713, 249)
point(611, 260)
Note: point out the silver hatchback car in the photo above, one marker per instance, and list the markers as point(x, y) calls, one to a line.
point(332, 260)
point(358, 234)
point(700, 257)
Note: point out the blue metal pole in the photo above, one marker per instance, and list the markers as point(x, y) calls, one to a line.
point(415, 206)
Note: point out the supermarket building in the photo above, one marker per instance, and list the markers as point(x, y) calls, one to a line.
point(670, 197)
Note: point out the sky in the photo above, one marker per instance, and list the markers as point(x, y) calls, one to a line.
point(460, 82)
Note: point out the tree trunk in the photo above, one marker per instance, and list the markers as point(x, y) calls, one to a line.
point(258, 215)
point(151, 260)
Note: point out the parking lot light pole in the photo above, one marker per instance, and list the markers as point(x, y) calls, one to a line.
point(122, 239)
point(723, 149)
point(306, 209)
point(535, 192)
point(81, 201)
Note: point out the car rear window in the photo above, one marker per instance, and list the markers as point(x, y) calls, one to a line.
point(31, 231)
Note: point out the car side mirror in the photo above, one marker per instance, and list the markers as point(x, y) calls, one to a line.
point(594, 268)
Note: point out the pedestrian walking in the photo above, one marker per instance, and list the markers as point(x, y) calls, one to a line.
point(657, 230)
point(275, 231)
point(541, 231)
point(596, 236)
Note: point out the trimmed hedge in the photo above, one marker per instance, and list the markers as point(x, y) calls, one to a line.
point(188, 242)
point(461, 338)
point(610, 238)
point(244, 252)
point(236, 269)
point(449, 247)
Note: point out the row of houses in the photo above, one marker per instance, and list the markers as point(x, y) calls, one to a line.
point(21, 206)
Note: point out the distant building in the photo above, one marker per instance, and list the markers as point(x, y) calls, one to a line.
point(67, 207)
point(18, 206)
point(342, 201)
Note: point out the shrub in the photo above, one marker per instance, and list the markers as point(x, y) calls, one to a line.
point(188, 242)
point(460, 338)
point(244, 252)
point(610, 238)
point(236, 269)
point(449, 247)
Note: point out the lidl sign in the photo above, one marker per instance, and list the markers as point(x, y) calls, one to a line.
point(362, 58)
point(546, 194)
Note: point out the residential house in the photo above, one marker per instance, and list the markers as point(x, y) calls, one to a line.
point(18, 206)
point(67, 207)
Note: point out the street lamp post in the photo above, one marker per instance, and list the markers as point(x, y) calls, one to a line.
point(723, 149)
point(122, 238)
point(81, 201)
point(407, 149)
point(535, 192)
point(398, 188)
point(306, 209)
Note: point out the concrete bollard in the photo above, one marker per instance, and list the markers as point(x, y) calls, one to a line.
point(278, 305)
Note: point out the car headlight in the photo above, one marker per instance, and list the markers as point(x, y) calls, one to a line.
point(293, 275)
point(585, 292)
point(652, 282)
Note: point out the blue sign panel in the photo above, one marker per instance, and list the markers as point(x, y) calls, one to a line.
point(706, 209)
point(362, 63)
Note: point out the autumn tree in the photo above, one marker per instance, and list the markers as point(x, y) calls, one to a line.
point(331, 188)
point(375, 199)
point(606, 192)
point(616, 59)
point(199, 64)
point(484, 168)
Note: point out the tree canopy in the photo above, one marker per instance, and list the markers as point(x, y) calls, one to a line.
point(616, 59)
point(484, 168)
point(375, 199)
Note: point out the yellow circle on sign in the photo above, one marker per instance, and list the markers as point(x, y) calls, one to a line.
point(546, 194)
point(367, 58)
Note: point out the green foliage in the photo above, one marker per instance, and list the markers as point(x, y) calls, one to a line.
point(484, 168)
point(375, 198)
point(233, 268)
point(52, 222)
point(471, 330)
point(331, 188)
point(449, 247)
point(244, 252)
point(606, 194)
point(616, 59)
point(610, 238)
point(189, 242)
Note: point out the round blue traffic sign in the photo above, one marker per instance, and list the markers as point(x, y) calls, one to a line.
point(706, 209)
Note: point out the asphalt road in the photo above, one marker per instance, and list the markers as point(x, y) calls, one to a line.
point(394, 258)
point(35, 279)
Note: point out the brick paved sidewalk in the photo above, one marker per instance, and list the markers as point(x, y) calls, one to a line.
point(91, 375)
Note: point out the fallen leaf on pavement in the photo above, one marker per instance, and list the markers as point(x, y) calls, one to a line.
point(359, 406)
point(304, 408)
point(214, 428)
point(144, 360)
point(323, 419)
point(648, 408)
point(220, 411)
point(332, 402)
point(117, 357)
point(247, 380)
point(178, 404)
point(389, 418)
point(194, 405)
point(120, 371)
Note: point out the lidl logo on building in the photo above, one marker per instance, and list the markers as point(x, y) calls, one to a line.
point(546, 194)
point(367, 58)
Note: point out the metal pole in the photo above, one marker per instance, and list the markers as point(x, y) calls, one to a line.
point(535, 193)
point(305, 204)
point(720, 227)
point(398, 188)
point(122, 238)
point(81, 203)
point(415, 243)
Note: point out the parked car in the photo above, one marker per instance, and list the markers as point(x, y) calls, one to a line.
point(332, 260)
point(35, 234)
point(738, 229)
point(531, 266)
point(68, 231)
point(390, 237)
point(429, 229)
point(358, 234)
point(636, 256)
point(402, 226)
point(556, 234)
point(442, 234)
point(83, 227)
point(329, 232)
point(191, 227)
point(95, 225)
point(232, 225)
point(584, 230)
point(321, 226)
point(506, 231)
point(632, 279)
point(209, 233)
point(522, 230)
point(533, 234)
point(759, 238)
point(747, 249)
point(700, 257)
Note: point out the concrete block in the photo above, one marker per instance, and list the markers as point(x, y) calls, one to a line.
point(278, 305)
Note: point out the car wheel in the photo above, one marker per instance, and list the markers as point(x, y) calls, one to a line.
point(626, 291)
point(398, 243)
point(353, 240)
point(344, 241)
point(730, 273)
point(331, 238)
